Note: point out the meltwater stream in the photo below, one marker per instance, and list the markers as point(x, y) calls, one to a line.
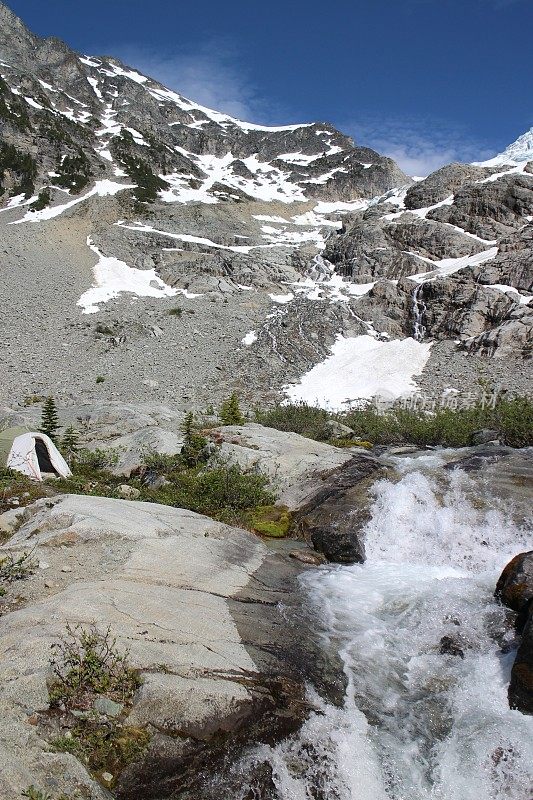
point(426, 715)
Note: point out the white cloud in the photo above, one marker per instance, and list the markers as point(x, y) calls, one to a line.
point(211, 76)
point(419, 146)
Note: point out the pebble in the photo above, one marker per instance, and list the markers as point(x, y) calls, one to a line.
point(107, 777)
point(66, 569)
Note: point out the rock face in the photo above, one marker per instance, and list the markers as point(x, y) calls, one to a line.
point(195, 601)
point(515, 590)
point(441, 184)
point(210, 220)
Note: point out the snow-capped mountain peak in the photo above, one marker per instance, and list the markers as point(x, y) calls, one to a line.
point(516, 153)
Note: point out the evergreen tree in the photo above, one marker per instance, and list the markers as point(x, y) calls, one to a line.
point(193, 442)
point(69, 443)
point(50, 419)
point(230, 411)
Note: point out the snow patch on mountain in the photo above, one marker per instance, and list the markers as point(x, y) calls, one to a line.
point(362, 367)
point(101, 189)
point(113, 277)
point(519, 151)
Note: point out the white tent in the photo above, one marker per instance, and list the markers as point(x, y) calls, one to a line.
point(32, 453)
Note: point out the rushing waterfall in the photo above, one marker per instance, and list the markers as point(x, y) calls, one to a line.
point(424, 645)
point(419, 309)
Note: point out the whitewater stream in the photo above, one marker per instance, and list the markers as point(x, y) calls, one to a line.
point(426, 651)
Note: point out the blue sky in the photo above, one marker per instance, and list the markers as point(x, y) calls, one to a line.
point(425, 81)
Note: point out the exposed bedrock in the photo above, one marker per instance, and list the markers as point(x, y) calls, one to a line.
point(370, 246)
point(513, 265)
point(199, 605)
point(490, 209)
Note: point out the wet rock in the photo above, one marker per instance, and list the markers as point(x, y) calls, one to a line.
point(515, 590)
point(451, 646)
point(307, 557)
point(332, 521)
point(515, 585)
point(479, 459)
point(484, 436)
point(521, 684)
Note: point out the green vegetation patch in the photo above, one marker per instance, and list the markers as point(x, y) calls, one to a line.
point(105, 748)
point(94, 684)
point(74, 173)
point(148, 184)
point(23, 168)
point(17, 490)
point(12, 108)
point(301, 418)
point(15, 568)
point(271, 520)
point(511, 418)
point(86, 663)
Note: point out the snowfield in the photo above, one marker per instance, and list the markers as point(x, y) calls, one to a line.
point(362, 367)
point(113, 277)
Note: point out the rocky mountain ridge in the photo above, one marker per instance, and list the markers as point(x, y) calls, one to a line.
point(275, 242)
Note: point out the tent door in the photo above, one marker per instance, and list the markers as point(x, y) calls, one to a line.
point(45, 465)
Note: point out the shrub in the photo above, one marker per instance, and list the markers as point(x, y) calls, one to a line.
point(223, 491)
point(70, 443)
point(99, 460)
point(74, 173)
point(100, 379)
point(86, 663)
point(512, 419)
point(15, 569)
point(230, 411)
point(50, 419)
point(301, 418)
point(175, 312)
point(193, 451)
point(43, 200)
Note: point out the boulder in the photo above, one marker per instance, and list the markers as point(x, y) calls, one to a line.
point(515, 585)
point(521, 683)
point(515, 590)
point(196, 602)
point(333, 519)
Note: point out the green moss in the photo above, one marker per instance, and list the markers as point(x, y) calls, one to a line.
point(271, 520)
point(351, 443)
